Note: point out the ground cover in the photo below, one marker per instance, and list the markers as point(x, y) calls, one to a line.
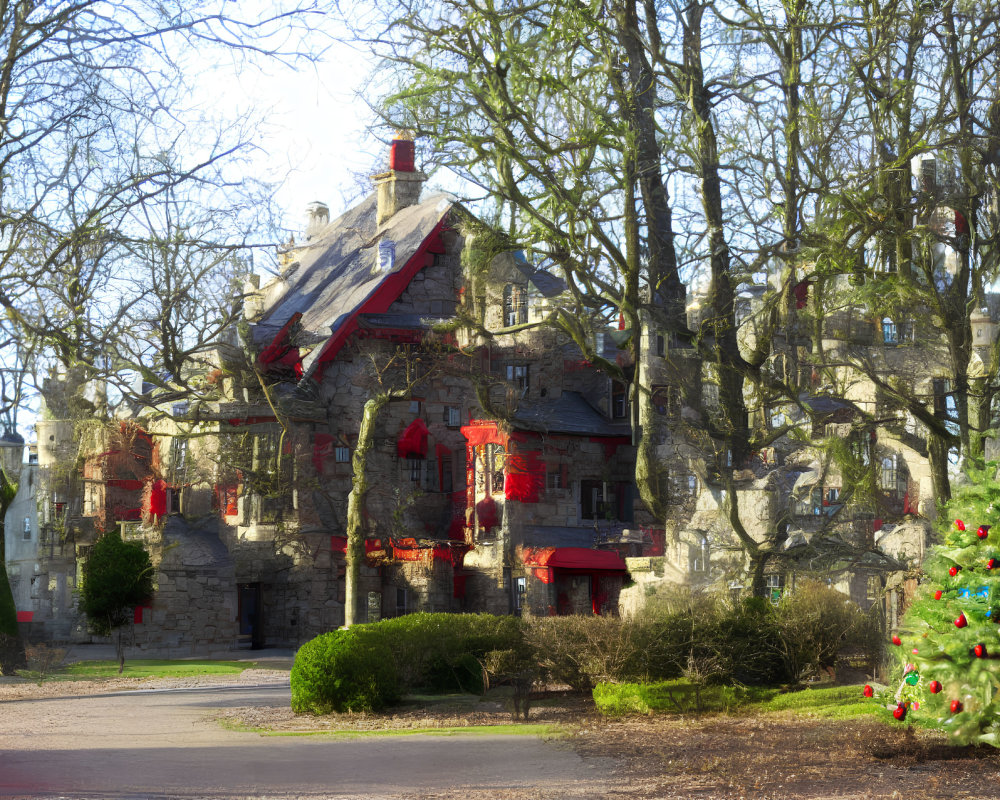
point(148, 668)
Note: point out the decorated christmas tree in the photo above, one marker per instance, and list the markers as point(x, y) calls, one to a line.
point(949, 640)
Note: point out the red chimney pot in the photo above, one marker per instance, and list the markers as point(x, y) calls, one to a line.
point(401, 155)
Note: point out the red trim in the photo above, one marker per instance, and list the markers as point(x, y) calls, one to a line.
point(383, 295)
point(236, 421)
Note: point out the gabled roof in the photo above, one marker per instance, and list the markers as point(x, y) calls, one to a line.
point(341, 271)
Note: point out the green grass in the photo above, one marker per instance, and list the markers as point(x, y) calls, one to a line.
point(148, 668)
point(677, 696)
point(831, 702)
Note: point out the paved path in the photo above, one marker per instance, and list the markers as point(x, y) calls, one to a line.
point(165, 744)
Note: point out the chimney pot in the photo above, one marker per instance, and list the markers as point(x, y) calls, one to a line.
point(317, 218)
point(402, 153)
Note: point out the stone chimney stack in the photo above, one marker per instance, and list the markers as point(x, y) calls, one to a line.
point(317, 218)
point(400, 186)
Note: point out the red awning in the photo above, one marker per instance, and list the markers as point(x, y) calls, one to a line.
point(573, 558)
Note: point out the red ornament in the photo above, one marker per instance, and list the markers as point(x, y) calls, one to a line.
point(937, 595)
point(956, 706)
point(899, 712)
point(897, 641)
point(983, 531)
point(868, 691)
point(953, 571)
point(959, 524)
point(992, 564)
point(934, 686)
point(979, 650)
point(961, 622)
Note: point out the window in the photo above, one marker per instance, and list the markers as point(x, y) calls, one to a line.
point(415, 468)
point(554, 479)
point(416, 405)
point(452, 416)
point(944, 399)
point(600, 500)
point(874, 588)
point(402, 606)
point(619, 400)
point(773, 585)
point(342, 454)
point(178, 459)
point(27, 528)
point(889, 473)
point(520, 590)
point(699, 558)
point(446, 475)
point(889, 332)
point(517, 374)
point(515, 307)
point(832, 496)
point(661, 345)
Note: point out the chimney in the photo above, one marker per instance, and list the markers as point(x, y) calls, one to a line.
point(400, 186)
point(317, 218)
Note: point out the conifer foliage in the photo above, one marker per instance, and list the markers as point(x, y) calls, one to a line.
point(949, 642)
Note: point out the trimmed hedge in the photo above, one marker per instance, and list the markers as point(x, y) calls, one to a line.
point(369, 667)
point(345, 670)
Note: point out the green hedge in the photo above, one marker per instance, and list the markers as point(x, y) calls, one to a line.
point(369, 667)
point(347, 670)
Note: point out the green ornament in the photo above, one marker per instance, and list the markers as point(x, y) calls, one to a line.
point(912, 678)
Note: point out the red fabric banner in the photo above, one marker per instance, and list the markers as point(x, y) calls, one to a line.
point(413, 442)
point(158, 498)
point(525, 478)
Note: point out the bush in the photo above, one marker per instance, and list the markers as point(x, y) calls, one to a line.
point(369, 667)
point(346, 670)
point(815, 621)
point(434, 652)
point(749, 643)
point(580, 651)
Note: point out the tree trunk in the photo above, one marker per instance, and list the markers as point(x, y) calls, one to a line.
point(12, 656)
point(356, 509)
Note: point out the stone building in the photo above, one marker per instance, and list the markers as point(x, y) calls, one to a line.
point(501, 464)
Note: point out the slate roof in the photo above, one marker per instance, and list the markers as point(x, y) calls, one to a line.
point(338, 269)
point(569, 414)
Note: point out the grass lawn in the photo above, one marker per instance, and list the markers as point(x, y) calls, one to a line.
point(148, 668)
point(828, 702)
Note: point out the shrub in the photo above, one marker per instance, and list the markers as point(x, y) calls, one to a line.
point(434, 652)
point(369, 667)
point(581, 651)
point(346, 670)
point(815, 621)
point(749, 644)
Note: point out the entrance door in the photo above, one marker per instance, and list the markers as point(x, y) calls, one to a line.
point(250, 614)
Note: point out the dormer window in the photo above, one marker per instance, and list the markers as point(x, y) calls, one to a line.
point(515, 305)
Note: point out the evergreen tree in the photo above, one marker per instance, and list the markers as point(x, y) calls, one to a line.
point(118, 576)
point(949, 641)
